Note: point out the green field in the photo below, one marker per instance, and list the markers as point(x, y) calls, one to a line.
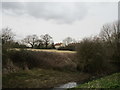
point(111, 81)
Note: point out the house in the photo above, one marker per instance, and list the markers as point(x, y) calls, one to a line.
point(57, 45)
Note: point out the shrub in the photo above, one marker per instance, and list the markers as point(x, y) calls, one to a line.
point(91, 56)
point(22, 58)
point(70, 47)
point(28, 59)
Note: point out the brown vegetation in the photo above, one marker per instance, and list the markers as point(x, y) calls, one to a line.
point(41, 59)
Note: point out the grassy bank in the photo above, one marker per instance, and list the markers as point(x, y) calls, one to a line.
point(112, 81)
point(37, 58)
point(41, 78)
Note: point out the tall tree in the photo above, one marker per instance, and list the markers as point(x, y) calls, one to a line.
point(46, 39)
point(110, 34)
point(7, 35)
point(31, 40)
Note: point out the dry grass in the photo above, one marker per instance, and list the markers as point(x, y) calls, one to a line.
point(52, 50)
point(49, 50)
point(41, 78)
point(31, 58)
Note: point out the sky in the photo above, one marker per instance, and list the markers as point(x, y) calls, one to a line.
point(58, 19)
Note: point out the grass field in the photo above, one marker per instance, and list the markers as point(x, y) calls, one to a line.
point(53, 50)
point(50, 50)
point(40, 78)
point(111, 81)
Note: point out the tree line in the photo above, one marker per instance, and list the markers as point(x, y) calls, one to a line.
point(108, 34)
point(33, 41)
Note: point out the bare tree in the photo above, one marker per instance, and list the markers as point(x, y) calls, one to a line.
point(31, 40)
point(39, 43)
point(7, 35)
point(106, 33)
point(68, 40)
point(46, 39)
point(110, 33)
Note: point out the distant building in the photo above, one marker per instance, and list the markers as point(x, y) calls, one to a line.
point(72, 44)
point(57, 45)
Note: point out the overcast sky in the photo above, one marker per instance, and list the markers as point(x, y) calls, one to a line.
point(59, 19)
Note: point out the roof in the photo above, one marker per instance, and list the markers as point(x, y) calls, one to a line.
point(58, 44)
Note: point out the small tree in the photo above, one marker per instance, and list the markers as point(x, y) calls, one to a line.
point(68, 40)
point(46, 39)
point(53, 45)
point(7, 36)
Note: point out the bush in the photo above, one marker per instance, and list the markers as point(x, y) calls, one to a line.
point(28, 59)
point(23, 58)
point(69, 47)
point(91, 56)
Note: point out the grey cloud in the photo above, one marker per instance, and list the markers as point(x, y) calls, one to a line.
point(12, 5)
point(63, 12)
